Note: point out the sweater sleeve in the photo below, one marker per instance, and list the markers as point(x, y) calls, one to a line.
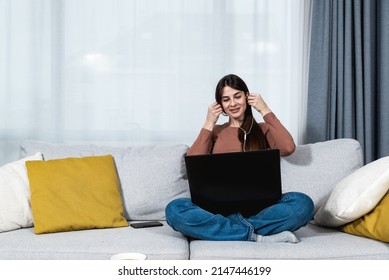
point(277, 135)
point(203, 143)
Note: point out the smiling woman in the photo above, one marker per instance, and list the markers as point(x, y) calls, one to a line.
point(138, 71)
point(271, 224)
point(241, 132)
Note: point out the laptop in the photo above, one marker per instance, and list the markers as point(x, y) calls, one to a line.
point(226, 183)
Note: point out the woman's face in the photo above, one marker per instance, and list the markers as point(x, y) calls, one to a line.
point(234, 103)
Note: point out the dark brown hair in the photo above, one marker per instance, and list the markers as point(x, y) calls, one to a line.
point(256, 140)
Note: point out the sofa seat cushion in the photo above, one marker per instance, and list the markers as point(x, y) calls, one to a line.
point(316, 243)
point(150, 176)
point(156, 243)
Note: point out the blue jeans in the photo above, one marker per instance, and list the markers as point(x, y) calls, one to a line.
point(293, 211)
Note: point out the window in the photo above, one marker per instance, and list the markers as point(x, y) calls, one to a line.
point(142, 72)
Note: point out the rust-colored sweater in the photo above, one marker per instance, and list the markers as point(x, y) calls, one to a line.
point(224, 138)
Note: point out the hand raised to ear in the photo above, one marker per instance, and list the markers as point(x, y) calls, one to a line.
point(214, 111)
point(256, 101)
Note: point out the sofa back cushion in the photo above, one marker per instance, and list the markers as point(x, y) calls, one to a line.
point(315, 169)
point(149, 176)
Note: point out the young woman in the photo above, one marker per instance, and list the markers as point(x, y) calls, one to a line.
point(242, 133)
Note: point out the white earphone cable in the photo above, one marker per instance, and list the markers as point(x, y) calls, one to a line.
point(245, 133)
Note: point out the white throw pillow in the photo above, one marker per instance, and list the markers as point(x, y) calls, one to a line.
point(355, 195)
point(15, 209)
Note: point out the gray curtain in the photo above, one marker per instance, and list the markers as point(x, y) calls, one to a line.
point(348, 90)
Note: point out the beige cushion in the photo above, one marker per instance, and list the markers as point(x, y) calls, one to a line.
point(15, 210)
point(355, 195)
point(374, 224)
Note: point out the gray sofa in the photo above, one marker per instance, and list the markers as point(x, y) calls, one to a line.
point(151, 176)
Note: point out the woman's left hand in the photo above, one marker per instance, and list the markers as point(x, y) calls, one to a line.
point(256, 101)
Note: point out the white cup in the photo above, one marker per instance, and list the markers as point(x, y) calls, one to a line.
point(129, 256)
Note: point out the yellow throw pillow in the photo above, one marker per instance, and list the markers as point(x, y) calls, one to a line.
point(74, 194)
point(373, 224)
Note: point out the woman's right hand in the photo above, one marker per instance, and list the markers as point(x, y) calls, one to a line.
point(214, 111)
